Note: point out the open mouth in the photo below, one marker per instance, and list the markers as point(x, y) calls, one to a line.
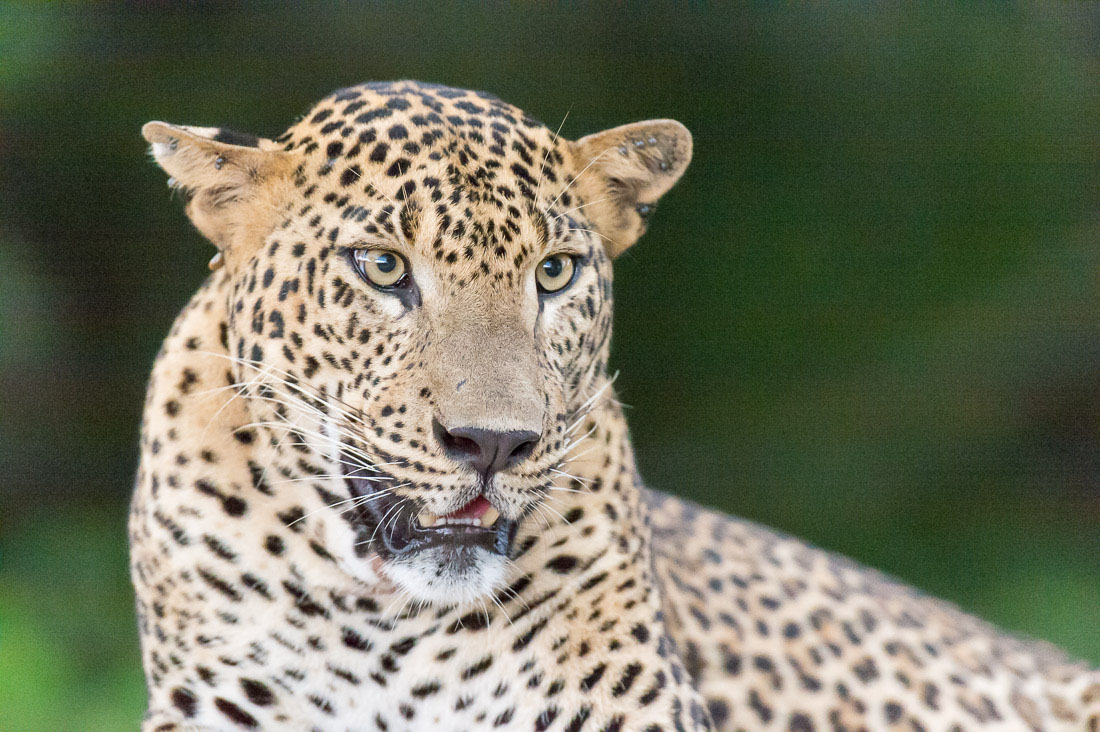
point(396, 526)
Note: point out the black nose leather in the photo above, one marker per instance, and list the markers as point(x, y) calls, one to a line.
point(486, 451)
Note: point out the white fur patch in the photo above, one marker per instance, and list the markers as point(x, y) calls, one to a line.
point(340, 540)
point(427, 577)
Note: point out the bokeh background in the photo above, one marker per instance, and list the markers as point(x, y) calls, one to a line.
point(868, 315)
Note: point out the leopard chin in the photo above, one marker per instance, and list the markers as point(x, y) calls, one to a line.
point(458, 558)
point(449, 575)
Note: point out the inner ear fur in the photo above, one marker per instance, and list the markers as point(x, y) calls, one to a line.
point(622, 172)
point(233, 183)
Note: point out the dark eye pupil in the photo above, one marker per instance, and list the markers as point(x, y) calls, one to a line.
point(385, 263)
point(553, 267)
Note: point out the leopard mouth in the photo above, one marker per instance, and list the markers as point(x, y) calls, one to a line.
point(396, 526)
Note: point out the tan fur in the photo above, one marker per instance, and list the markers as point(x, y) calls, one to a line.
point(234, 192)
point(629, 166)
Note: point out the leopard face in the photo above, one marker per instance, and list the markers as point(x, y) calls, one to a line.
point(420, 311)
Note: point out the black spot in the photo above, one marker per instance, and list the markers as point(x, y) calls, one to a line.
point(219, 584)
point(235, 713)
point(525, 640)
point(231, 137)
point(546, 718)
point(398, 167)
point(719, 711)
point(593, 677)
point(372, 115)
point(630, 673)
point(234, 506)
point(425, 690)
point(866, 670)
point(469, 107)
point(257, 692)
point(219, 548)
point(303, 601)
point(477, 668)
point(562, 563)
point(799, 723)
point(274, 544)
point(579, 719)
point(352, 639)
point(350, 175)
point(184, 700)
point(757, 705)
point(378, 154)
point(253, 582)
point(473, 621)
point(291, 518)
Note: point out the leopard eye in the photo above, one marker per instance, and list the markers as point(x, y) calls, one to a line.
point(381, 267)
point(555, 273)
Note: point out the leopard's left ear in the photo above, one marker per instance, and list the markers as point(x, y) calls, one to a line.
point(622, 172)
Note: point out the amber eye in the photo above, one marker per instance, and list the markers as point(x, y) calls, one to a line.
point(381, 267)
point(555, 272)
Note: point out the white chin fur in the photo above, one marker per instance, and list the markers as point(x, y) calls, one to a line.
point(431, 576)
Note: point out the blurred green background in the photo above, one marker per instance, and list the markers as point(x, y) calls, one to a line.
point(867, 316)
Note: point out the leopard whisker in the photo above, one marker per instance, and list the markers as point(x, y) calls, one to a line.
point(576, 178)
point(584, 205)
point(334, 505)
point(546, 156)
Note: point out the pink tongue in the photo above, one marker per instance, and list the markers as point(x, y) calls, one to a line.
point(474, 509)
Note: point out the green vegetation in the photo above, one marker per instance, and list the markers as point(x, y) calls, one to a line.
point(867, 316)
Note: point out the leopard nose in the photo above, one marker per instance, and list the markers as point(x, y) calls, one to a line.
point(486, 451)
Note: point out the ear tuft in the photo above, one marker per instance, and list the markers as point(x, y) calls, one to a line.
point(622, 172)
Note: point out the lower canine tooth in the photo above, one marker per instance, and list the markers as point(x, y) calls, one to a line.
point(427, 519)
point(490, 517)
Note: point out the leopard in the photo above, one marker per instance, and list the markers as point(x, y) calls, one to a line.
point(385, 482)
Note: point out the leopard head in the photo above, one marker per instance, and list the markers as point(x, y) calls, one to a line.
point(418, 284)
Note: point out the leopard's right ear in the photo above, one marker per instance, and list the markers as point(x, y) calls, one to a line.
point(233, 183)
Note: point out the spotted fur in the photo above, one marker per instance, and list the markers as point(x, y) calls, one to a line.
point(292, 400)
